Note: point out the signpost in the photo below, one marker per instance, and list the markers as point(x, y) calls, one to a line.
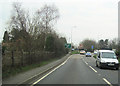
point(67, 45)
point(92, 47)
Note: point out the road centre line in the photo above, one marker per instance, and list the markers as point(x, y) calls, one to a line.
point(90, 66)
point(51, 71)
point(93, 69)
point(86, 63)
point(99, 74)
point(107, 82)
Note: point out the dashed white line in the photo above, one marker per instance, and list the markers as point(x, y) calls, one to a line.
point(93, 69)
point(86, 63)
point(99, 74)
point(90, 66)
point(107, 82)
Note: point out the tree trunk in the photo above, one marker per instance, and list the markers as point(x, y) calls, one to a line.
point(21, 57)
point(30, 58)
point(12, 58)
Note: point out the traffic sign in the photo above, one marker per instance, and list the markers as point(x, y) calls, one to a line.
point(92, 46)
point(67, 45)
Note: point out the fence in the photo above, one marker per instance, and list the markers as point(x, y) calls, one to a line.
point(25, 58)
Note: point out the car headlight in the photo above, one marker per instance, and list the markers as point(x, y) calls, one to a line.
point(102, 61)
point(117, 62)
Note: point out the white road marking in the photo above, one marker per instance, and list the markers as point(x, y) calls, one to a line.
point(99, 74)
point(50, 72)
point(107, 82)
point(93, 69)
point(86, 63)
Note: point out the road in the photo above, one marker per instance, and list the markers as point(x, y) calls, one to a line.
point(78, 69)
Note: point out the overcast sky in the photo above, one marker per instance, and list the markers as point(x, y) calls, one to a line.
point(93, 19)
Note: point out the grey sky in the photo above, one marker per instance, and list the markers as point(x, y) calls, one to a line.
point(94, 19)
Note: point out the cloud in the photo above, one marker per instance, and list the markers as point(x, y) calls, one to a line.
point(92, 18)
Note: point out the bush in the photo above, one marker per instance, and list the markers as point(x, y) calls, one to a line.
point(95, 56)
point(3, 50)
point(117, 52)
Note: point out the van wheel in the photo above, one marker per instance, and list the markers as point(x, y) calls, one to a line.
point(96, 64)
point(117, 68)
point(100, 67)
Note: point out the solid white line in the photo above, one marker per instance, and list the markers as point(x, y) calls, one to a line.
point(93, 69)
point(37, 74)
point(107, 82)
point(50, 72)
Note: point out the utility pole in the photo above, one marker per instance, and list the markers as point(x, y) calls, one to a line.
point(71, 35)
point(0, 63)
point(71, 38)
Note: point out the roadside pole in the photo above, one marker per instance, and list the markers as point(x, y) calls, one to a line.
point(0, 64)
point(71, 40)
point(71, 36)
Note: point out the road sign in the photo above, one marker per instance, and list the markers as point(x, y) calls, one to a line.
point(92, 46)
point(67, 45)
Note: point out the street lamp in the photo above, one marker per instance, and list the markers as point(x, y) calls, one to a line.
point(71, 35)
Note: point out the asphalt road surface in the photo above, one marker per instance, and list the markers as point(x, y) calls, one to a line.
point(78, 69)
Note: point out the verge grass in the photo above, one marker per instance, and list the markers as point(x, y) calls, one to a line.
point(10, 71)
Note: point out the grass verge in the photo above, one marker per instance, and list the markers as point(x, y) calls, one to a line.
point(10, 71)
point(75, 52)
point(119, 59)
point(95, 56)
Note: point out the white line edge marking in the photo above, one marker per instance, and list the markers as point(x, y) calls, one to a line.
point(34, 75)
point(107, 82)
point(50, 72)
point(93, 69)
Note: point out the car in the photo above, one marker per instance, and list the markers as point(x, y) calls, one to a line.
point(88, 54)
point(73, 49)
point(82, 52)
point(107, 58)
point(95, 52)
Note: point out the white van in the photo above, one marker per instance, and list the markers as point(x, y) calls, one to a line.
point(107, 58)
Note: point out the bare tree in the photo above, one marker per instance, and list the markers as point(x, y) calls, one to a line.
point(19, 27)
point(87, 43)
point(45, 20)
point(113, 43)
point(48, 16)
point(30, 35)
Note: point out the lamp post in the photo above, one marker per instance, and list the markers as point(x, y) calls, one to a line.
point(71, 36)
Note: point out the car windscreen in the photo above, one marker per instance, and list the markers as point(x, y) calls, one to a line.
point(108, 55)
point(82, 51)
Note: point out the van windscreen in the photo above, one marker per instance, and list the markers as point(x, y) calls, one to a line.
point(108, 55)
